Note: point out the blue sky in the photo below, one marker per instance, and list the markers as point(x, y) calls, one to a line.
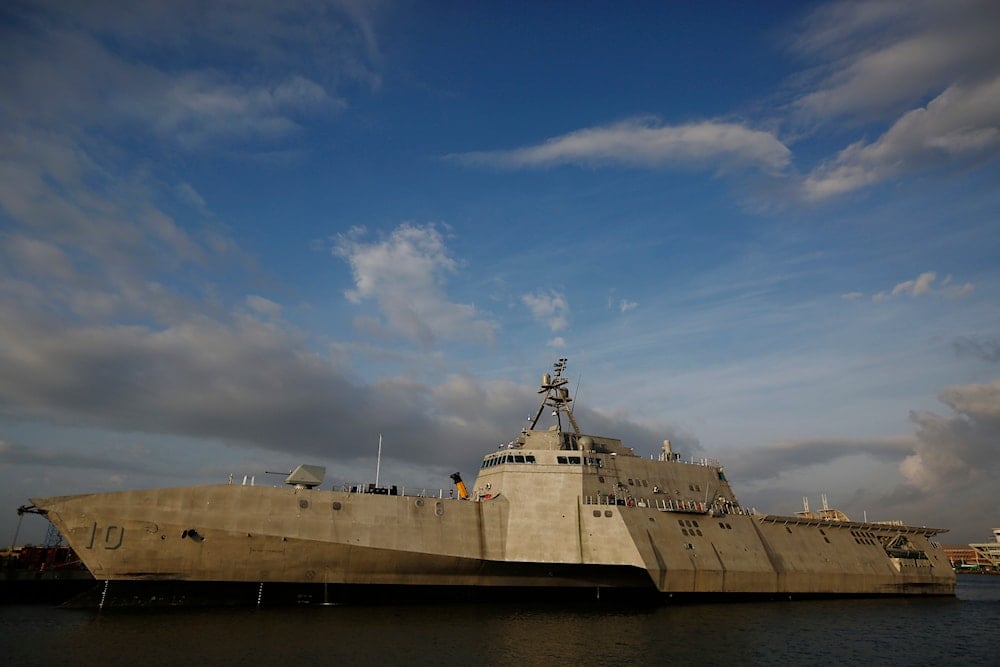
point(238, 239)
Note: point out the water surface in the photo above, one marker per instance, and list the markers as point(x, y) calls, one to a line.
point(897, 631)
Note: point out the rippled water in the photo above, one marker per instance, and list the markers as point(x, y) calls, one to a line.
point(901, 631)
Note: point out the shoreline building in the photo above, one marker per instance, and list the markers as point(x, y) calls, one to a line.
point(977, 556)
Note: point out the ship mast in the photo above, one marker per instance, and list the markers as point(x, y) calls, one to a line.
point(556, 396)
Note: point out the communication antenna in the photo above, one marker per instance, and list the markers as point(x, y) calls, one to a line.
point(556, 396)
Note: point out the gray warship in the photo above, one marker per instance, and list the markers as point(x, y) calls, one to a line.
point(554, 511)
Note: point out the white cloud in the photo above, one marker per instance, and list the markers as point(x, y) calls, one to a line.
point(643, 142)
point(923, 285)
point(550, 307)
point(404, 274)
point(885, 56)
point(263, 306)
point(625, 305)
point(963, 122)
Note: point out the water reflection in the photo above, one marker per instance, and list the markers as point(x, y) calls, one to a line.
point(891, 631)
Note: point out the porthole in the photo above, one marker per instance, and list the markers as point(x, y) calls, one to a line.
point(597, 512)
point(419, 502)
point(684, 531)
point(607, 513)
point(336, 505)
point(699, 533)
point(439, 508)
point(303, 503)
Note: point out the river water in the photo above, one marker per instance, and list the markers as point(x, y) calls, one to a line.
point(897, 631)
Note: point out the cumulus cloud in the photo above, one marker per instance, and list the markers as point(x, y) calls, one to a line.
point(404, 274)
point(549, 307)
point(98, 69)
point(947, 469)
point(959, 451)
point(239, 381)
point(645, 142)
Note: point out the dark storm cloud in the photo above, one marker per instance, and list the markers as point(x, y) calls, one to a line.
point(247, 381)
point(775, 460)
point(20, 455)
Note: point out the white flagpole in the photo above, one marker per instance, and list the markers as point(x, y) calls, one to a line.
point(378, 462)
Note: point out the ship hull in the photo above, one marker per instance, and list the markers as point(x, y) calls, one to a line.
point(231, 544)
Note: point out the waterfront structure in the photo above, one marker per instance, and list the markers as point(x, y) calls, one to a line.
point(989, 551)
point(966, 559)
point(554, 509)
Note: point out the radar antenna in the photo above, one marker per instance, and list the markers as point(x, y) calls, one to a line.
point(556, 396)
